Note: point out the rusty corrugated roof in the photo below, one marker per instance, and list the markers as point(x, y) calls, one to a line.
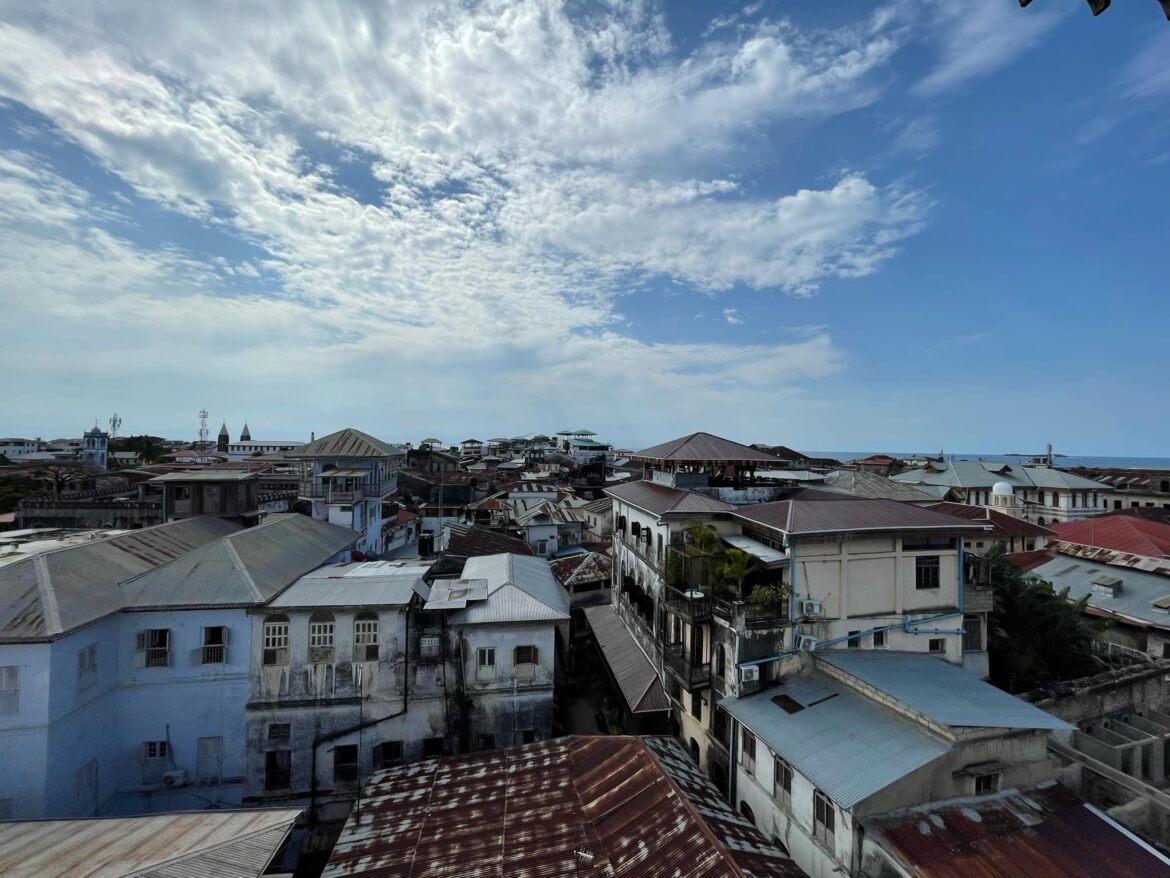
point(1046, 832)
point(661, 499)
point(347, 443)
point(578, 806)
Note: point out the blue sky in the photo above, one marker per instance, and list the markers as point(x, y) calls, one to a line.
point(925, 224)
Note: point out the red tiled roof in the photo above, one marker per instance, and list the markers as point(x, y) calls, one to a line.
point(1121, 533)
point(1003, 525)
point(1030, 560)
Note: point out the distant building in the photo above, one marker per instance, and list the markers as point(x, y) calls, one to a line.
point(95, 448)
point(234, 496)
point(1124, 488)
point(348, 475)
point(15, 449)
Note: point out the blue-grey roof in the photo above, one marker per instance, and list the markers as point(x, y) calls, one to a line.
point(985, 473)
point(846, 745)
point(938, 690)
point(1134, 600)
point(358, 584)
point(520, 589)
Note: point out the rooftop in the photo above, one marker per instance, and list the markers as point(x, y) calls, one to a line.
point(1002, 525)
point(1121, 533)
point(636, 677)
point(368, 583)
point(663, 499)
point(819, 515)
point(467, 541)
point(985, 473)
point(867, 484)
point(1044, 831)
point(704, 448)
point(520, 589)
point(227, 844)
point(347, 443)
point(530, 810)
point(1133, 602)
point(581, 567)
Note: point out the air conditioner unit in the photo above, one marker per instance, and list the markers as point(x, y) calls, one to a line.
point(805, 643)
point(810, 608)
point(750, 674)
point(176, 778)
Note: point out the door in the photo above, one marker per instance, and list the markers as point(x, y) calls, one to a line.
point(209, 760)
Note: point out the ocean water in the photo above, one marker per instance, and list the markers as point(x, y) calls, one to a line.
point(1059, 460)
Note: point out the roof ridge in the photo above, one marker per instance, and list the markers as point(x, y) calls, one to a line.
point(48, 596)
point(239, 564)
point(203, 851)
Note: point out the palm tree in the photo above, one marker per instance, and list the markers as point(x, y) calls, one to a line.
point(737, 566)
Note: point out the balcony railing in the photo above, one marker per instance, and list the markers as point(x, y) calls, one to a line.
point(694, 674)
point(694, 606)
point(330, 494)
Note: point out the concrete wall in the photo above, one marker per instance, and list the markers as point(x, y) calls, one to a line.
point(1120, 691)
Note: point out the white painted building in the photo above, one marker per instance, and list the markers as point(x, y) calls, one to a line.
point(348, 475)
point(15, 448)
point(359, 667)
point(847, 736)
point(124, 663)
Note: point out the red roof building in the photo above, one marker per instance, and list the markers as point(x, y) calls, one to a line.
point(1120, 533)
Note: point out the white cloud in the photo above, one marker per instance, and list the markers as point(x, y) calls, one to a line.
point(731, 315)
point(977, 39)
point(527, 169)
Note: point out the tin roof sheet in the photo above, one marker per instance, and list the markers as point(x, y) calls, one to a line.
point(663, 499)
point(985, 473)
point(368, 583)
point(867, 484)
point(529, 810)
point(939, 690)
point(1002, 525)
point(468, 541)
point(764, 552)
point(703, 448)
point(1040, 832)
point(520, 589)
point(845, 744)
point(582, 567)
point(227, 844)
point(817, 515)
point(1134, 602)
point(347, 443)
point(247, 567)
point(635, 675)
point(1121, 533)
point(50, 593)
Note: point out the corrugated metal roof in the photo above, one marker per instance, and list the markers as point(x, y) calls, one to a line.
point(846, 745)
point(867, 484)
point(1002, 525)
point(765, 553)
point(849, 515)
point(943, 692)
point(455, 594)
point(347, 443)
point(1122, 533)
point(663, 499)
point(528, 811)
point(985, 473)
point(1133, 602)
point(218, 475)
point(227, 844)
point(247, 567)
point(467, 541)
point(1040, 832)
point(520, 589)
point(582, 567)
point(703, 448)
point(55, 592)
point(635, 675)
point(368, 583)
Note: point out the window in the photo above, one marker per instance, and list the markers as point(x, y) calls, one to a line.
point(925, 543)
point(527, 736)
point(986, 783)
point(345, 763)
point(87, 667)
point(487, 657)
point(720, 661)
point(747, 751)
point(746, 810)
point(276, 640)
point(365, 638)
point(428, 647)
point(879, 639)
point(542, 547)
point(972, 634)
point(388, 754)
point(782, 781)
point(213, 651)
point(278, 769)
point(209, 760)
point(154, 647)
point(926, 571)
point(659, 551)
point(279, 731)
point(697, 707)
point(433, 747)
point(524, 655)
point(824, 818)
point(321, 637)
point(854, 639)
point(938, 645)
point(156, 759)
point(485, 742)
point(1055, 499)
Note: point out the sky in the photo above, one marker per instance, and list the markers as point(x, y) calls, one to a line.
point(920, 225)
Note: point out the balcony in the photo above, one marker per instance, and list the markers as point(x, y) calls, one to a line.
point(311, 490)
point(693, 605)
point(692, 673)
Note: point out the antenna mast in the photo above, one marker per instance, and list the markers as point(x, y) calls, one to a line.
point(115, 423)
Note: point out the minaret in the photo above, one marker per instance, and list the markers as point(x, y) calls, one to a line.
point(221, 442)
point(95, 448)
point(245, 434)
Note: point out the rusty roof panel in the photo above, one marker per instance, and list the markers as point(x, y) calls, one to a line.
point(704, 448)
point(528, 812)
point(1043, 832)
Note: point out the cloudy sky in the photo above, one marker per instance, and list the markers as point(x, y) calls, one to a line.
point(936, 223)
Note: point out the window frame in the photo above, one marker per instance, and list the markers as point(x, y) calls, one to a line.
point(349, 771)
point(274, 640)
point(781, 771)
point(927, 572)
point(824, 819)
point(87, 662)
point(747, 750)
point(383, 754)
point(365, 636)
point(280, 771)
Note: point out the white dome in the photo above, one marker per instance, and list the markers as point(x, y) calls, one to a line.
point(1001, 489)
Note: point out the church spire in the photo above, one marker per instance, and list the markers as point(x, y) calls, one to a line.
point(246, 434)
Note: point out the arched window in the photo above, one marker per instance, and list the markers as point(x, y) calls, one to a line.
point(321, 636)
point(746, 810)
point(275, 640)
point(365, 637)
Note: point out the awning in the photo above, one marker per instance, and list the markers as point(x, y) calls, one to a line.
point(635, 676)
point(754, 547)
point(344, 473)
